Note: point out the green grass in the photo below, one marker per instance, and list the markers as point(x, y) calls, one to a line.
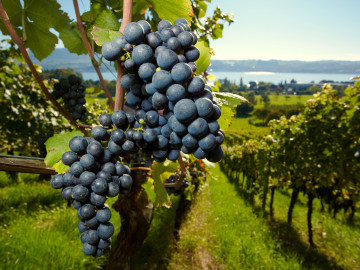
point(159, 243)
point(242, 125)
point(23, 199)
point(244, 239)
point(47, 238)
point(12, 178)
point(225, 231)
point(283, 100)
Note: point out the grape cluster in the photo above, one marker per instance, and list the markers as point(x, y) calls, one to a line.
point(177, 109)
point(95, 173)
point(73, 94)
point(177, 190)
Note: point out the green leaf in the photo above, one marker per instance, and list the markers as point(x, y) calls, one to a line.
point(204, 61)
point(61, 167)
point(171, 10)
point(149, 189)
point(106, 19)
point(58, 145)
point(48, 40)
point(226, 117)
point(13, 9)
point(102, 36)
point(228, 99)
point(160, 172)
point(71, 37)
point(33, 24)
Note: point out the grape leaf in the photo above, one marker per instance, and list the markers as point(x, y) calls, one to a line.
point(34, 21)
point(160, 172)
point(13, 9)
point(204, 61)
point(228, 99)
point(71, 37)
point(106, 19)
point(102, 36)
point(58, 145)
point(225, 119)
point(61, 167)
point(149, 189)
point(171, 10)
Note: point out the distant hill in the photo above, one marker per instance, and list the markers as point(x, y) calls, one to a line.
point(61, 58)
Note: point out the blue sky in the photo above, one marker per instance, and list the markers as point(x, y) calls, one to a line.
point(283, 29)
point(290, 30)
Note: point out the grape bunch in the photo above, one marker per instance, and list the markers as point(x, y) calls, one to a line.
point(176, 109)
point(177, 190)
point(95, 174)
point(73, 94)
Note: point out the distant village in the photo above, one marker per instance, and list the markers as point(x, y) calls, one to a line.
point(291, 88)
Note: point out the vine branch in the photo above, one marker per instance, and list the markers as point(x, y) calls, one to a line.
point(91, 53)
point(120, 93)
point(19, 42)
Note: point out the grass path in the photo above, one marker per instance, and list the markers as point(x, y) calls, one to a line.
point(224, 231)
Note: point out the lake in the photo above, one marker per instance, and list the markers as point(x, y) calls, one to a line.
point(272, 77)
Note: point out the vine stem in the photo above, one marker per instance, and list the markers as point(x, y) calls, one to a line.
point(120, 93)
point(91, 53)
point(19, 42)
point(182, 165)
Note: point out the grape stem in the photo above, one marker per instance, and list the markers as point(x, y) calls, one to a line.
point(84, 126)
point(91, 53)
point(19, 42)
point(120, 93)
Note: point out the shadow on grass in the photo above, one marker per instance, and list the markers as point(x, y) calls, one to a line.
point(289, 239)
point(156, 250)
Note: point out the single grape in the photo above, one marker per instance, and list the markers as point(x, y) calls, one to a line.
point(208, 142)
point(192, 54)
point(204, 107)
point(173, 154)
point(181, 73)
point(67, 193)
point(134, 33)
point(142, 53)
point(86, 178)
point(166, 59)
point(78, 144)
point(153, 40)
point(174, 44)
point(105, 230)
point(126, 181)
point(95, 149)
point(163, 24)
point(185, 39)
point(196, 86)
point(198, 127)
point(185, 110)
point(113, 189)
point(80, 193)
point(216, 154)
point(99, 133)
point(111, 51)
point(57, 181)
point(87, 161)
point(99, 186)
point(161, 80)
point(146, 71)
point(87, 211)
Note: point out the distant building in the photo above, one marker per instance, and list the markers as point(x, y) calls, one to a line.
point(305, 86)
